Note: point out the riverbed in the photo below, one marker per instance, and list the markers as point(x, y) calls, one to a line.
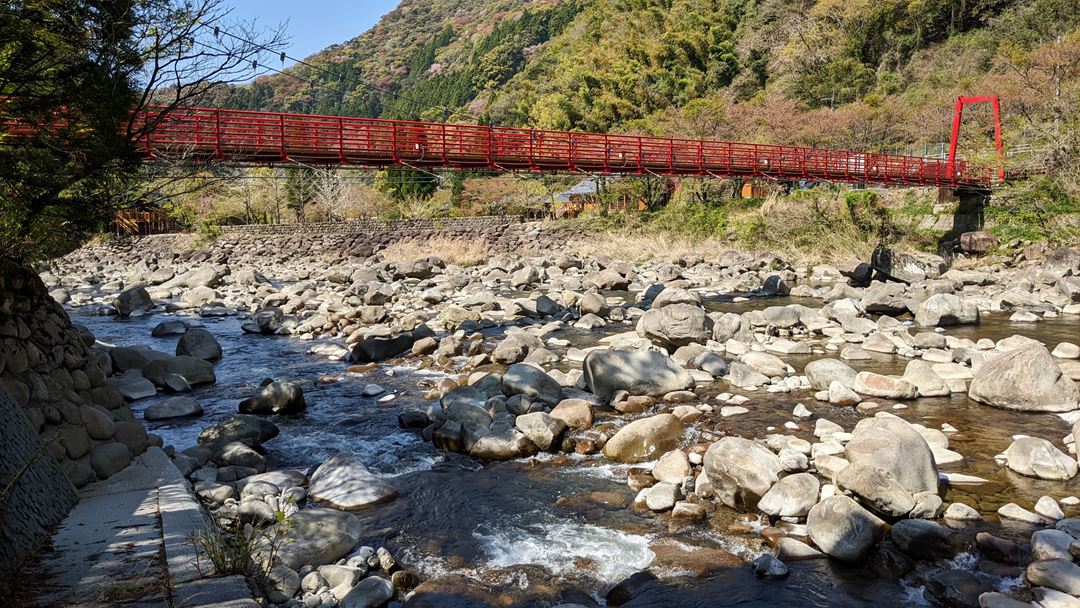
point(572, 515)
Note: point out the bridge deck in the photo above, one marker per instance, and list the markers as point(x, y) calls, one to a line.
point(268, 137)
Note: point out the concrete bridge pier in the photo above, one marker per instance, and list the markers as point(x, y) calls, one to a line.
point(968, 207)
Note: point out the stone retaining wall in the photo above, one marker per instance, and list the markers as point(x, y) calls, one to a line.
point(40, 497)
point(54, 389)
point(463, 225)
point(278, 243)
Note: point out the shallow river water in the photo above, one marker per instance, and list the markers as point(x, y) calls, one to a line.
point(572, 515)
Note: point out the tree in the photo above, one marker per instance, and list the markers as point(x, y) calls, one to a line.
point(77, 78)
point(402, 184)
point(299, 189)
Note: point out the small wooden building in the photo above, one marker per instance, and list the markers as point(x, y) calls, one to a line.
point(133, 222)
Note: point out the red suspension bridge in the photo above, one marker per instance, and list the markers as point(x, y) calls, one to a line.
point(240, 136)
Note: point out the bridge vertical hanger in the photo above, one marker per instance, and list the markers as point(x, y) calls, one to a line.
point(960, 103)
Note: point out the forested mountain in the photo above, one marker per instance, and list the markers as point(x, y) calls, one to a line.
point(869, 74)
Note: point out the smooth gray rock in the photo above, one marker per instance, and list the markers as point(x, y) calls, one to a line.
point(922, 539)
point(792, 496)
point(173, 407)
point(319, 536)
point(194, 371)
point(767, 566)
point(956, 588)
point(1051, 544)
point(133, 301)
point(643, 372)
point(541, 429)
point(1026, 379)
point(343, 482)
point(199, 343)
point(644, 439)
point(239, 454)
point(842, 529)
point(1060, 574)
point(944, 309)
point(524, 379)
point(895, 446)
point(676, 325)
point(823, 372)
point(1037, 457)
point(280, 397)
point(249, 430)
point(741, 471)
point(371, 592)
point(109, 458)
point(877, 489)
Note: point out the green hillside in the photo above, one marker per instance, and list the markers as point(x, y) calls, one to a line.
point(877, 75)
point(854, 73)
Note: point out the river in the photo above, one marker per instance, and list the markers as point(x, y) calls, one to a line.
point(572, 515)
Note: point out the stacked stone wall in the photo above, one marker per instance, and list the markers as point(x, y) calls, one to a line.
point(58, 411)
point(276, 243)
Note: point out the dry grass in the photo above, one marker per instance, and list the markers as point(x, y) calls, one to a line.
point(644, 247)
point(463, 252)
point(802, 232)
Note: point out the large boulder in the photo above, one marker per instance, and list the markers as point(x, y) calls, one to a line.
point(319, 536)
point(134, 301)
point(823, 372)
point(893, 445)
point(978, 243)
point(676, 325)
point(540, 428)
point(877, 385)
point(643, 372)
point(1027, 379)
point(1060, 574)
point(922, 375)
point(249, 430)
point(943, 309)
point(922, 539)
point(109, 458)
point(343, 482)
point(576, 413)
point(371, 592)
point(792, 496)
point(764, 363)
point(524, 379)
point(199, 343)
point(374, 350)
point(500, 442)
point(194, 371)
point(877, 489)
point(173, 407)
point(842, 529)
point(280, 397)
point(644, 439)
point(1037, 457)
point(741, 471)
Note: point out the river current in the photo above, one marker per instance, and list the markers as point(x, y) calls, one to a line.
point(572, 516)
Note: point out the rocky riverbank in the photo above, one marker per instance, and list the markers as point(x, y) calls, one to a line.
point(650, 367)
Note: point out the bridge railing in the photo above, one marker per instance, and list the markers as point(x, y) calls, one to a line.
point(269, 137)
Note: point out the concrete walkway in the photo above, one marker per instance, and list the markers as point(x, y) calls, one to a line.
point(127, 544)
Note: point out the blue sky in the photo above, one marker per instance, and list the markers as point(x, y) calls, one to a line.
point(313, 25)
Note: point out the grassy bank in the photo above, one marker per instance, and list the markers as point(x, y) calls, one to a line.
point(828, 224)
